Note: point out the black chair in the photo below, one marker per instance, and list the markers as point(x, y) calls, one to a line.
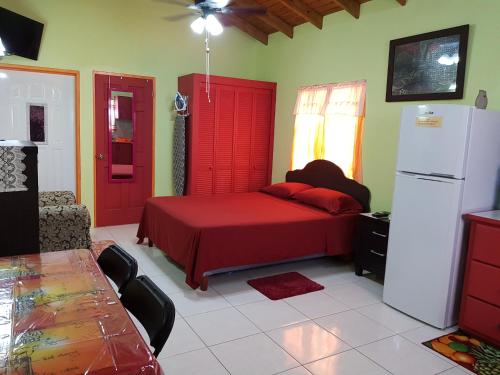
point(152, 308)
point(118, 265)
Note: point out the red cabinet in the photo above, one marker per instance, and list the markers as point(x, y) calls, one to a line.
point(480, 309)
point(229, 138)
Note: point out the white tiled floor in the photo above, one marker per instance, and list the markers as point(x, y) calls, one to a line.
point(233, 329)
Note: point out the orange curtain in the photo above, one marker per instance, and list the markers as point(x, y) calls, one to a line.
point(329, 125)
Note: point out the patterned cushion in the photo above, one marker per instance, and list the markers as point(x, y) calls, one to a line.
point(55, 198)
point(64, 227)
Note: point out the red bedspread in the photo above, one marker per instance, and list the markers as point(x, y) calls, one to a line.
point(209, 233)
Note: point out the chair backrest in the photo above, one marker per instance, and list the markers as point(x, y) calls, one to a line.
point(152, 308)
point(118, 265)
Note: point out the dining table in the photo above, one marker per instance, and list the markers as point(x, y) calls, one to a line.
point(60, 315)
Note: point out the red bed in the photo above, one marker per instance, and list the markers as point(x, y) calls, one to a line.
point(209, 233)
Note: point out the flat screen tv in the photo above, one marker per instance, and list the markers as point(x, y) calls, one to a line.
point(20, 35)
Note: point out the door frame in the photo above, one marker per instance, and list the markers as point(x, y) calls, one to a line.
point(153, 148)
point(76, 75)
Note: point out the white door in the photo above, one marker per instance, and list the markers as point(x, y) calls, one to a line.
point(54, 96)
point(433, 139)
point(423, 247)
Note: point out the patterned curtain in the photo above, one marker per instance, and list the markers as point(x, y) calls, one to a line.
point(329, 125)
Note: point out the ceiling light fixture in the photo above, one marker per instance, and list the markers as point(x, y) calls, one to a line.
point(208, 23)
point(2, 48)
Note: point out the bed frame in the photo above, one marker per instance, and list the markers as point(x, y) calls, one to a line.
point(325, 174)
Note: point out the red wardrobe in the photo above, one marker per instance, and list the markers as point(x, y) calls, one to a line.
point(229, 138)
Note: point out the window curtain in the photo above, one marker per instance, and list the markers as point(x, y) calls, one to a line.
point(329, 125)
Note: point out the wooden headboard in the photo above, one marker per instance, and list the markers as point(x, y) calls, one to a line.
point(325, 174)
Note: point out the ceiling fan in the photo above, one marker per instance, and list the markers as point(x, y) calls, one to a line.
point(206, 11)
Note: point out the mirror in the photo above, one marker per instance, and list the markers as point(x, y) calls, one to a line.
point(121, 136)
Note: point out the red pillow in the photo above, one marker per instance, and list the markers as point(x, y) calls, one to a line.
point(333, 201)
point(285, 189)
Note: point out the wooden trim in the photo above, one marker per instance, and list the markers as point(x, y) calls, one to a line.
point(305, 11)
point(351, 6)
point(247, 27)
point(402, 2)
point(76, 75)
point(274, 21)
point(153, 144)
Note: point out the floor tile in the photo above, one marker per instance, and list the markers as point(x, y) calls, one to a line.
point(391, 318)
point(402, 357)
point(307, 342)
point(222, 325)
point(354, 328)
point(425, 333)
point(254, 355)
point(296, 371)
point(347, 363)
point(170, 283)
point(353, 295)
point(235, 289)
point(268, 314)
point(198, 362)
point(193, 302)
point(182, 339)
point(456, 371)
point(315, 305)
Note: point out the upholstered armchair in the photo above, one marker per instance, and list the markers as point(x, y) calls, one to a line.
point(63, 223)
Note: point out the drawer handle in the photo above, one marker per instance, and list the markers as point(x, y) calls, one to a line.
point(377, 253)
point(379, 234)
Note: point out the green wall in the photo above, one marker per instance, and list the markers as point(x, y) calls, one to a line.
point(349, 49)
point(130, 36)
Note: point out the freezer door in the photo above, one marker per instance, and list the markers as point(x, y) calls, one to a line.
point(424, 248)
point(433, 139)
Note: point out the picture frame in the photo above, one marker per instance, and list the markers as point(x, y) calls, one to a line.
point(36, 114)
point(429, 66)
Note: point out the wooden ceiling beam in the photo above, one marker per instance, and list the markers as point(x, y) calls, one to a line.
point(402, 2)
point(247, 27)
point(270, 19)
point(304, 11)
point(351, 6)
point(276, 22)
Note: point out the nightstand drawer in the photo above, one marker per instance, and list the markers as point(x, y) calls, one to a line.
point(371, 245)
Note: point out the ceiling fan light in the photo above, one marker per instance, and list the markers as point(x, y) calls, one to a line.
point(213, 25)
point(198, 25)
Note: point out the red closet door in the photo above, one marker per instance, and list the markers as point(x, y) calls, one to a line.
point(243, 139)
point(203, 141)
point(261, 153)
point(224, 139)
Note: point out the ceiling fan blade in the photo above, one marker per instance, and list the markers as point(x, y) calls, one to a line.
point(244, 10)
point(179, 17)
point(175, 2)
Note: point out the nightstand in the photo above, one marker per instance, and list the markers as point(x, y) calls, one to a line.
point(370, 251)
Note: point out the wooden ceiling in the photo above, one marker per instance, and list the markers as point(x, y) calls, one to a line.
point(283, 15)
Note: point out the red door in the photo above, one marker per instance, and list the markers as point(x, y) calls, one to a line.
point(123, 148)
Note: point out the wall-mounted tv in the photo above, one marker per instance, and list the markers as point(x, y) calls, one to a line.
point(20, 35)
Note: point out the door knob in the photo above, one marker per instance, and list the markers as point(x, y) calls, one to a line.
point(99, 157)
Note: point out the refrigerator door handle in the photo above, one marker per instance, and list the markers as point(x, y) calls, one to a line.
point(444, 175)
point(431, 179)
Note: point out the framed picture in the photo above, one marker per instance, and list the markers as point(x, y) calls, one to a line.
point(37, 123)
point(428, 66)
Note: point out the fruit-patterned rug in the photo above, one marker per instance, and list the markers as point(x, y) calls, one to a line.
point(473, 354)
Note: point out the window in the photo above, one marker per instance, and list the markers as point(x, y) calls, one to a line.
point(329, 125)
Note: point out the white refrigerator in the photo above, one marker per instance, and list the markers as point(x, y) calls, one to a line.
point(448, 164)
